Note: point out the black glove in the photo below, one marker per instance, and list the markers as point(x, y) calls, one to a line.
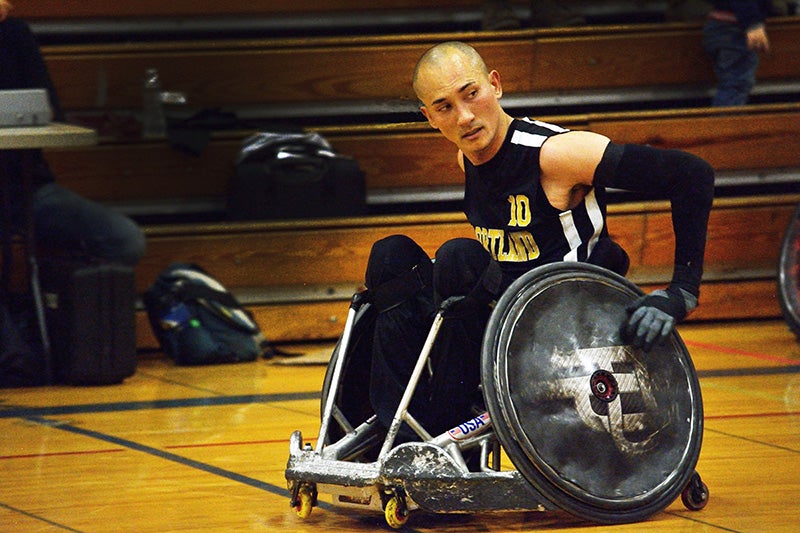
point(654, 315)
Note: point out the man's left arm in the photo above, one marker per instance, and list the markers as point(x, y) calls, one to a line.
point(688, 182)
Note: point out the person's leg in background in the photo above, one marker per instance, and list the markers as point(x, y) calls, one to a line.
point(734, 64)
point(67, 221)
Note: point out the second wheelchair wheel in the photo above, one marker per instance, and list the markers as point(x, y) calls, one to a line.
point(789, 274)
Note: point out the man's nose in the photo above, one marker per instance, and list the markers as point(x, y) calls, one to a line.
point(465, 115)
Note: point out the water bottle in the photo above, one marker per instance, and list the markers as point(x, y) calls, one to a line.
point(154, 124)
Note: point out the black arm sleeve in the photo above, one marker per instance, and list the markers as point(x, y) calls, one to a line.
point(686, 180)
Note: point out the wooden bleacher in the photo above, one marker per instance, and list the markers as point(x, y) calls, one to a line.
point(297, 276)
point(412, 157)
point(260, 75)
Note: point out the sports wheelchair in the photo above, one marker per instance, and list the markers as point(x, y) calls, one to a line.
point(590, 424)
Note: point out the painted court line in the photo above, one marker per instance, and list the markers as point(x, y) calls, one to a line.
point(737, 351)
point(132, 445)
point(38, 518)
point(60, 410)
point(191, 463)
point(60, 454)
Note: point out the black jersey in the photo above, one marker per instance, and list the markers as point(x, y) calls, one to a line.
point(512, 217)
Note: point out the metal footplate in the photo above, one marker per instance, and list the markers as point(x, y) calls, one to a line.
point(307, 465)
point(431, 479)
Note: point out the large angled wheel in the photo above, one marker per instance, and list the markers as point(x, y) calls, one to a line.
point(789, 274)
point(601, 429)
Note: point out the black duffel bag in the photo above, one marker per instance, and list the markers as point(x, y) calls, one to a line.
point(294, 175)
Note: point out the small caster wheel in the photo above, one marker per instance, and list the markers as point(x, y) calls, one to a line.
point(304, 501)
point(695, 494)
point(396, 512)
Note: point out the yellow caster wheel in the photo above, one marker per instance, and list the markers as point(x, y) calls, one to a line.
point(304, 502)
point(395, 512)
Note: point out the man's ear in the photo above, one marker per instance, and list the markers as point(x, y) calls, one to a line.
point(494, 80)
point(428, 116)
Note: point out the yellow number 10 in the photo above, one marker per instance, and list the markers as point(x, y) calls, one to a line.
point(520, 210)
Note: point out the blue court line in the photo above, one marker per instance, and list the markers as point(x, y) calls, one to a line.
point(38, 518)
point(752, 441)
point(132, 445)
point(696, 520)
point(191, 463)
point(60, 410)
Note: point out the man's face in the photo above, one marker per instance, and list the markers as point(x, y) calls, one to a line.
point(462, 102)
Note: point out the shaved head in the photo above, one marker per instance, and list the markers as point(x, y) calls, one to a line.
point(460, 97)
point(436, 57)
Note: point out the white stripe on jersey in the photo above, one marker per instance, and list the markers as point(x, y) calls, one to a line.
point(571, 231)
point(557, 129)
point(551, 127)
point(571, 234)
point(596, 216)
point(528, 139)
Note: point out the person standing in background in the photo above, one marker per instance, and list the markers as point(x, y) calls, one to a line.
point(734, 34)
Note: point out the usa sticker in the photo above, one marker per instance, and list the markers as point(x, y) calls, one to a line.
point(470, 428)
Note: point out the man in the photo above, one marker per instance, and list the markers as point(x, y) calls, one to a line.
point(535, 194)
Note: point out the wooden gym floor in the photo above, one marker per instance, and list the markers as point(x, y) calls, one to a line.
point(204, 449)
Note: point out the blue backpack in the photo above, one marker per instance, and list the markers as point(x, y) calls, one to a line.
point(198, 322)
